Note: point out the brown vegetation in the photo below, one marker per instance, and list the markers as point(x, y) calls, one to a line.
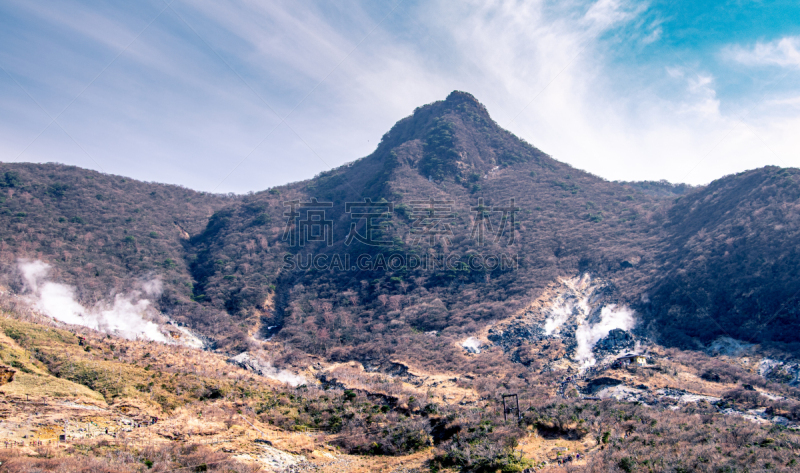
point(384, 343)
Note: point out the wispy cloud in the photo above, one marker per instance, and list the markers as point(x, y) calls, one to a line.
point(784, 52)
point(605, 14)
point(705, 101)
point(655, 35)
point(208, 83)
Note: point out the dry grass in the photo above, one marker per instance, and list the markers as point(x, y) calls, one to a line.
point(37, 386)
point(201, 399)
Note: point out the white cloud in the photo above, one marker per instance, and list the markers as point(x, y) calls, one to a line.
point(675, 72)
point(784, 52)
point(788, 101)
point(170, 110)
point(654, 36)
point(605, 14)
point(705, 97)
point(586, 111)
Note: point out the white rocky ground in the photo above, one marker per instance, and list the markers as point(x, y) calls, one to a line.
point(584, 313)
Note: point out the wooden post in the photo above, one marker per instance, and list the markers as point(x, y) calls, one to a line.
point(506, 409)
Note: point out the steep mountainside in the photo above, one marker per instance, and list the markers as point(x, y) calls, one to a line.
point(465, 225)
point(101, 234)
point(450, 151)
point(729, 262)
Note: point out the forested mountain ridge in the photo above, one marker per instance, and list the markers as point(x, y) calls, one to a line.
point(729, 262)
point(694, 263)
point(101, 234)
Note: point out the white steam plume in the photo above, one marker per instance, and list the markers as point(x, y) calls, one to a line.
point(576, 304)
point(152, 287)
point(263, 367)
point(125, 317)
point(562, 310)
point(285, 376)
point(558, 316)
point(472, 345)
point(587, 336)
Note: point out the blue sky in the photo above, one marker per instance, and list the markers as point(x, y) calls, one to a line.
point(233, 97)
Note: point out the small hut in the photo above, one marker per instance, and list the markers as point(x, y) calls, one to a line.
point(632, 359)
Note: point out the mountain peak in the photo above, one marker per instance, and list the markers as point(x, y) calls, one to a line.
point(457, 102)
point(453, 139)
point(462, 103)
point(458, 96)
